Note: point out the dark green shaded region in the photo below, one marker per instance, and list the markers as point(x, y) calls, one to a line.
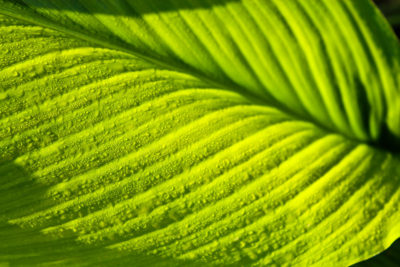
point(20, 195)
point(120, 6)
point(389, 141)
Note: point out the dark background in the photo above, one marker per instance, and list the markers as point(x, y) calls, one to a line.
point(391, 10)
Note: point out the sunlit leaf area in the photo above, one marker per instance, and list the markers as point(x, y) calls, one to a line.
point(199, 133)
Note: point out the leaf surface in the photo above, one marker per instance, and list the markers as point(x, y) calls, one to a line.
point(389, 258)
point(210, 132)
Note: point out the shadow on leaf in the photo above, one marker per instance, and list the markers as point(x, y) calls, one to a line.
point(23, 245)
point(121, 7)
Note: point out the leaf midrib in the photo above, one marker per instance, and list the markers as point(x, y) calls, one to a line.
point(257, 99)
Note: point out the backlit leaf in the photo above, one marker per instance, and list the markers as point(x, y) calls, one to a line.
point(173, 133)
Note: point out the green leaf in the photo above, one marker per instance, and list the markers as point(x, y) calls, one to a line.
point(388, 258)
point(177, 133)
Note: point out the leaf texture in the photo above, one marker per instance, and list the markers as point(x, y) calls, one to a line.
point(207, 132)
point(389, 258)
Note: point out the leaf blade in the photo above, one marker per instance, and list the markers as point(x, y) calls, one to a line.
point(173, 117)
